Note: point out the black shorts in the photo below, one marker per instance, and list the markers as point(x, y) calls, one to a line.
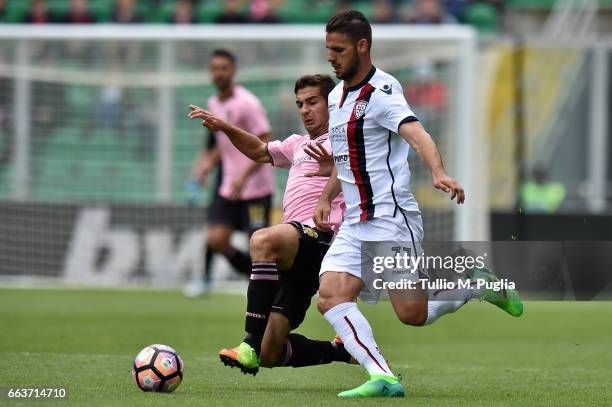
point(301, 281)
point(248, 215)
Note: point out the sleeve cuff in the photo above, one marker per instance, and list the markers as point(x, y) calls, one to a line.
point(408, 119)
point(269, 155)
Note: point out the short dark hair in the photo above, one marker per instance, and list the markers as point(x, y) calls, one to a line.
point(324, 82)
point(223, 53)
point(351, 23)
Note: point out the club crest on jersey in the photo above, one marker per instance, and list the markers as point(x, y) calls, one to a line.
point(360, 108)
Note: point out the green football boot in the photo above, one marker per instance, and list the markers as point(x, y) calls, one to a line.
point(377, 386)
point(243, 357)
point(506, 299)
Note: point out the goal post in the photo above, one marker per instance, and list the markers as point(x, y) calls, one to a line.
point(95, 127)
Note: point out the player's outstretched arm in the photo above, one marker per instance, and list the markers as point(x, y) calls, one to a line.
point(323, 208)
point(423, 144)
point(249, 144)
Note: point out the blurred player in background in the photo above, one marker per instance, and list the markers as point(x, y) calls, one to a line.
point(287, 257)
point(244, 196)
point(371, 129)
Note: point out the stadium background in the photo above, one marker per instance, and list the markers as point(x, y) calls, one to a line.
point(95, 160)
point(95, 140)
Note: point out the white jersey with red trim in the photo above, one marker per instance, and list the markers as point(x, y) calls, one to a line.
point(370, 156)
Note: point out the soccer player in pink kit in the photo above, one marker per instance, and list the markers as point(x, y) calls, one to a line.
point(243, 199)
point(287, 257)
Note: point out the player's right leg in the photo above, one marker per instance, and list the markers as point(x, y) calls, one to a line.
point(337, 295)
point(269, 248)
point(272, 249)
point(340, 284)
point(217, 241)
point(225, 217)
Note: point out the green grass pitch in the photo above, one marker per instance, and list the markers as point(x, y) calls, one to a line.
point(557, 354)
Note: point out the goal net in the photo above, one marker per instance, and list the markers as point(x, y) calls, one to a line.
point(96, 149)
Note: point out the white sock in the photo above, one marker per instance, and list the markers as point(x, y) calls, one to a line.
point(358, 338)
point(445, 302)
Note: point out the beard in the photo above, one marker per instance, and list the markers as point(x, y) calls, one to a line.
point(351, 69)
point(223, 84)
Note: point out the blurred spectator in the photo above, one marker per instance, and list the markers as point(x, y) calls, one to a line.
point(2, 11)
point(541, 195)
point(125, 13)
point(428, 95)
point(39, 13)
point(342, 5)
point(107, 103)
point(261, 11)
point(383, 12)
point(231, 13)
point(183, 12)
point(456, 8)
point(430, 12)
point(78, 13)
point(485, 15)
point(497, 4)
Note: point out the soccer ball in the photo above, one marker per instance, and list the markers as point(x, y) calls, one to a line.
point(158, 368)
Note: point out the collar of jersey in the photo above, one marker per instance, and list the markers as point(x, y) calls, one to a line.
point(363, 82)
point(319, 136)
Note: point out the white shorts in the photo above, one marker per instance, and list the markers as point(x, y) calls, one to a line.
point(345, 253)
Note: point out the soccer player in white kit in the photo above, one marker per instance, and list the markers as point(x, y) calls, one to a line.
point(371, 128)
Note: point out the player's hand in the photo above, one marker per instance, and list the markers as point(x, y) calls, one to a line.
point(448, 184)
point(321, 215)
point(201, 171)
point(209, 120)
point(325, 160)
point(236, 189)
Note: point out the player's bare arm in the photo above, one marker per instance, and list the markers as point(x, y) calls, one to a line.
point(250, 170)
point(423, 144)
point(205, 163)
point(323, 208)
point(249, 144)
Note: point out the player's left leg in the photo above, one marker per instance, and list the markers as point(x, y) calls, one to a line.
point(282, 348)
point(298, 286)
point(418, 307)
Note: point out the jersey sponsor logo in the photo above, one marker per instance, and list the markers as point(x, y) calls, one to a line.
point(341, 158)
point(360, 108)
point(254, 315)
point(386, 89)
point(338, 134)
point(301, 159)
point(310, 232)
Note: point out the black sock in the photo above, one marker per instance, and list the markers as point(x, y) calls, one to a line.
point(240, 260)
point(263, 285)
point(207, 263)
point(301, 351)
